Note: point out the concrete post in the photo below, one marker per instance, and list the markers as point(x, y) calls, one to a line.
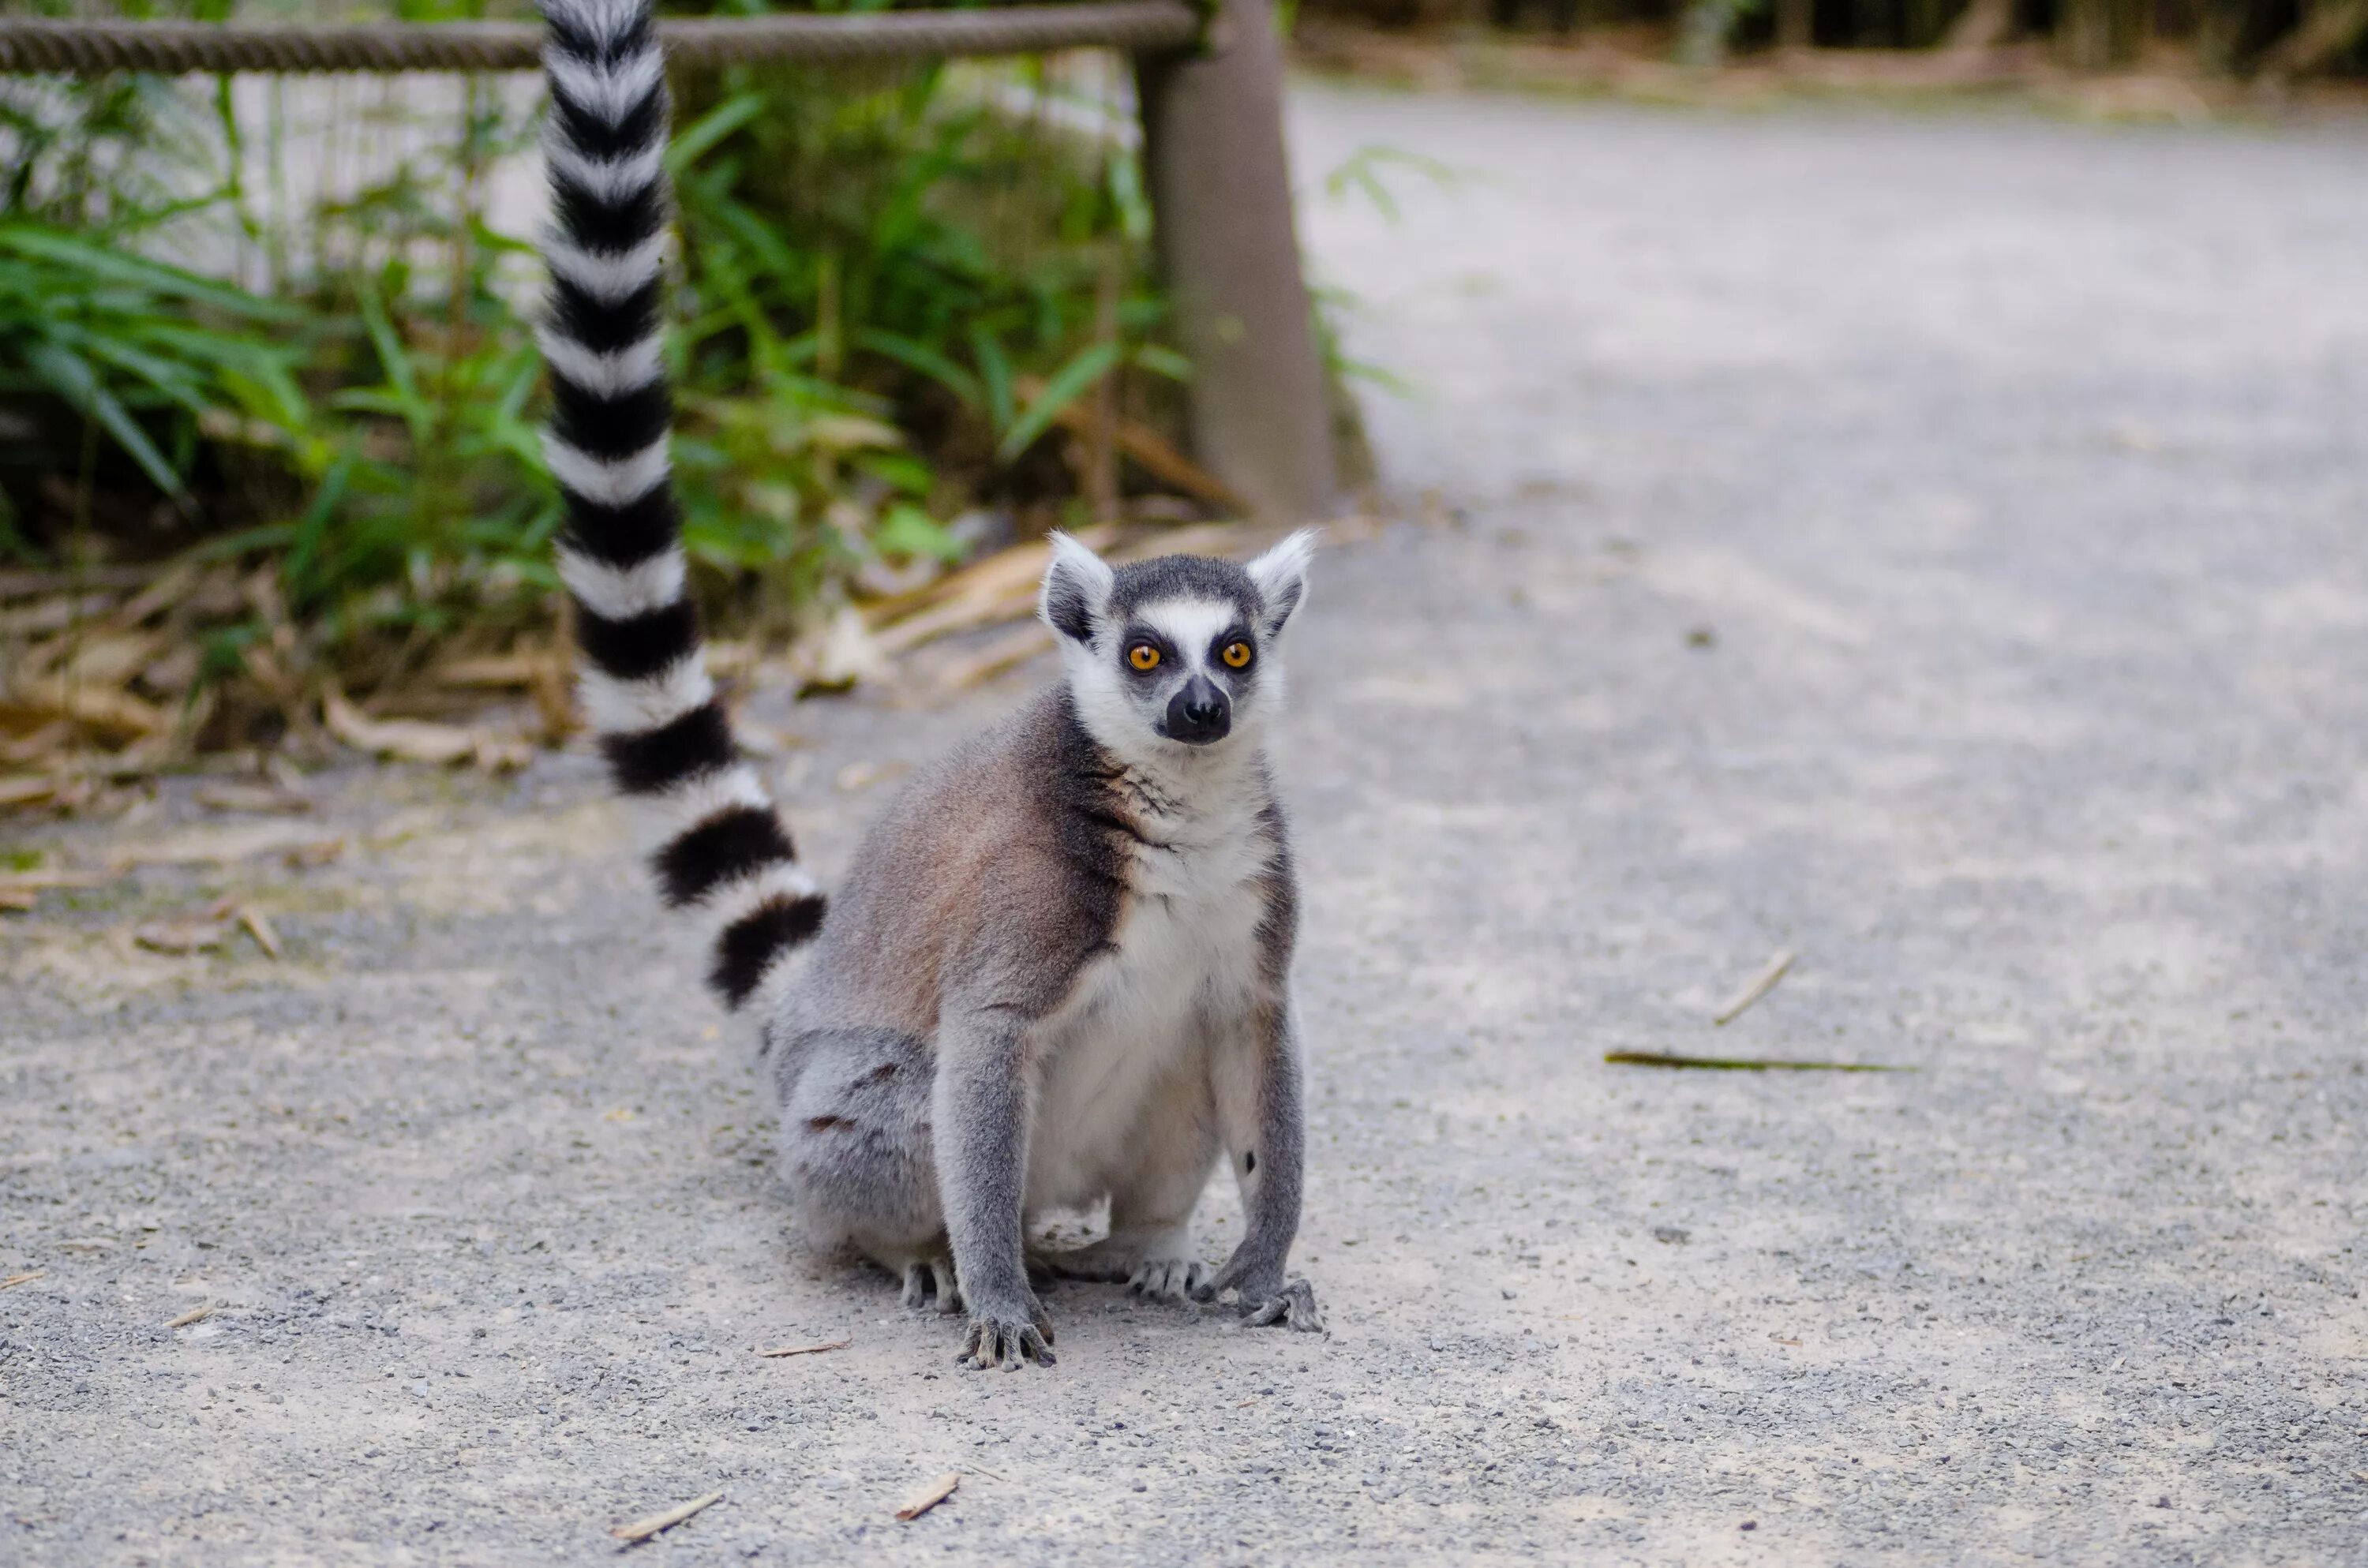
point(1229, 255)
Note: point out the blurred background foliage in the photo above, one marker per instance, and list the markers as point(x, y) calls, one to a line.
point(2268, 42)
point(283, 329)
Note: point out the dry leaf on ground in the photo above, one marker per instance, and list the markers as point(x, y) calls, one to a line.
point(806, 1349)
point(27, 788)
point(930, 1496)
point(253, 798)
point(417, 740)
point(260, 930)
point(641, 1529)
point(192, 934)
point(1759, 985)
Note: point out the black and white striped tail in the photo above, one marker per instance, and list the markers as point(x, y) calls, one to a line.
point(724, 851)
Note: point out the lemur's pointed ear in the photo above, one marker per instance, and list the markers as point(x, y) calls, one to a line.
point(1077, 588)
point(1281, 576)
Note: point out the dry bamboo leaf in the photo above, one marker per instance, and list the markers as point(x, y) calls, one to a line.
point(930, 1496)
point(995, 578)
point(1153, 452)
point(195, 1315)
point(407, 740)
point(318, 853)
point(498, 672)
point(260, 930)
point(999, 654)
point(35, 880)
point(46, 741)
point(161, 595)
point(111, 714)
point(53, 614)
point(1759, 985)
point(187, 935)
point(806, 1349)
point(221, 844)
point(1782, 1340)
point(840, 655)
point(30, 585)
point(105, 659)
point(253, 798)
point(860, 776)
point(641, 1529)
point(26, 1278)
point(1158, 457)
point(27, 788)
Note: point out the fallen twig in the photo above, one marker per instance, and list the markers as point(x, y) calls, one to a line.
point(260, 930)
point(1759, 985)
point(415, 740)
point(930, 1496)
point(1741, 1063)
point(641, 1529)
point(195, 1315)
point(999, 654)
point(26, 1278)
point(254, 798)
point(183, 934)
point(807, 1349)
point(37, 882)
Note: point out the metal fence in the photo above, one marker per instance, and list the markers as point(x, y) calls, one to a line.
point(1209, 88)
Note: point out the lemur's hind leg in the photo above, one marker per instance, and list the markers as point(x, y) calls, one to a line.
point(1174, 1148)
point(855, 1152)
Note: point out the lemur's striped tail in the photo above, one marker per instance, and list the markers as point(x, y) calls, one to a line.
point(725, 852)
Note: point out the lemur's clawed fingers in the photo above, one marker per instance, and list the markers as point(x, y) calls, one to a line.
point(1293, 1304)
point(999, 1340)
point(916, 1293)
point(1168, 1278)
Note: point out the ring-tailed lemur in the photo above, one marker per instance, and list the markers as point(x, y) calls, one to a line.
point(1059, 969)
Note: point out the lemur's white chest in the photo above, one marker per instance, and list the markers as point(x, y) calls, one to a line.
point(1131, 1042)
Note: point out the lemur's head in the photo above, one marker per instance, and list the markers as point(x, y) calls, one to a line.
point(1180, 652)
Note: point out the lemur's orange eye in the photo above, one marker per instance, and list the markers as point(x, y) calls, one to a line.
point(1237, 655)
point(1142, 657)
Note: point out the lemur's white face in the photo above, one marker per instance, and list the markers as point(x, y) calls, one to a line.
point(1176, 657)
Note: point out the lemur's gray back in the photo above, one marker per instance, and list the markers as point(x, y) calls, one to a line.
point(724, 851)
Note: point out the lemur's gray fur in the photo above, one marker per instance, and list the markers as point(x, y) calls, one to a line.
point(1059, 969)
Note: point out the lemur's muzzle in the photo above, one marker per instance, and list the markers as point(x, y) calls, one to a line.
point(1199, 713)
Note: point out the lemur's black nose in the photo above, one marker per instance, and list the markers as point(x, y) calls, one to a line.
point(1199, 713)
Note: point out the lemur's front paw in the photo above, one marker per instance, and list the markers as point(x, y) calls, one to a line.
point(1008, 1337)
point(1264, 1297)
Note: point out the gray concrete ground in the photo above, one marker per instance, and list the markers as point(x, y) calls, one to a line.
point(1933, 544)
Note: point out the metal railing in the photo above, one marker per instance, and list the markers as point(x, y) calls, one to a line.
point(1209, 87)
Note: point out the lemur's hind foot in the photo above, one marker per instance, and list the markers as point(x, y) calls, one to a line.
point(1156, 1267)
point(929, 1284)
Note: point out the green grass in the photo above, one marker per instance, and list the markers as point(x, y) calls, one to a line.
point(891, 284)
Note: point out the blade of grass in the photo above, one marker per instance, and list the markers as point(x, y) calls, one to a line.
point(1072, 381)
point(1741, 1063)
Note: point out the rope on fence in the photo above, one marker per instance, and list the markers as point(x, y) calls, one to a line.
point(34, 45)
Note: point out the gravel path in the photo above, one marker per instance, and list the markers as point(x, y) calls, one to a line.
point(1930, 544)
